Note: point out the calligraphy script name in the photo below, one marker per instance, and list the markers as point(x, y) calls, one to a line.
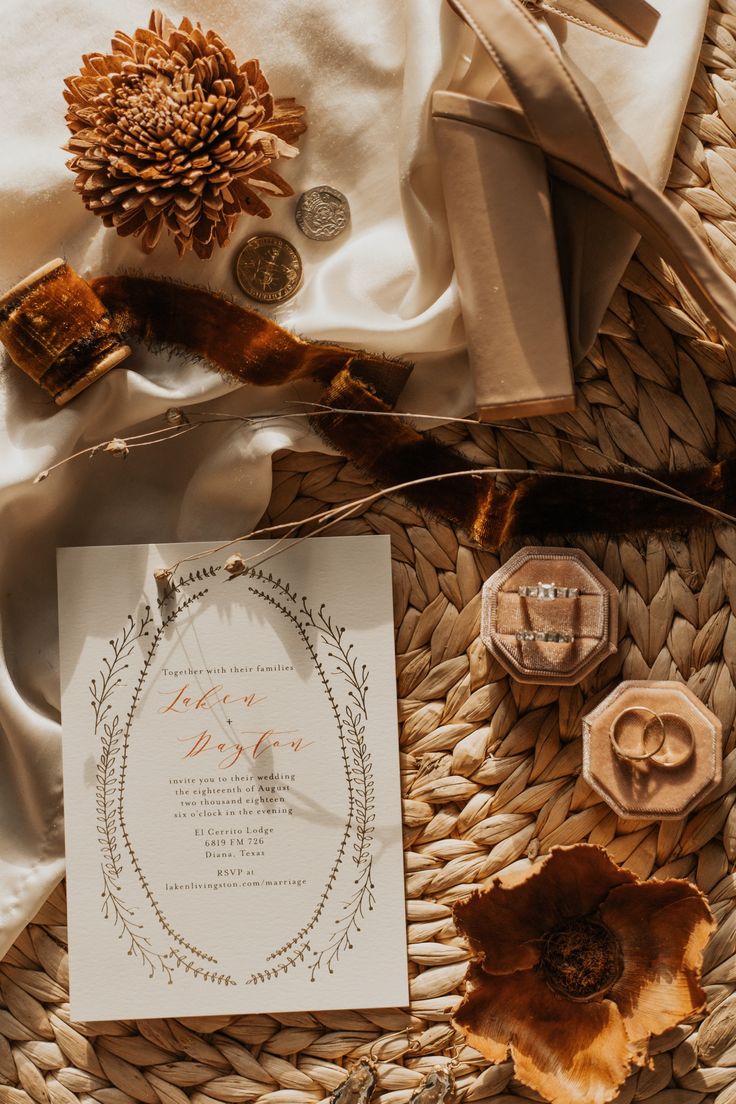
point(232, 750)
point(182, 700)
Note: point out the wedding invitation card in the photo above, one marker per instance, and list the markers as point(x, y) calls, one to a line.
point(231, 780)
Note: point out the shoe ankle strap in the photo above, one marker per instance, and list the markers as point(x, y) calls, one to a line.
point(631, 21)
point(556, 110)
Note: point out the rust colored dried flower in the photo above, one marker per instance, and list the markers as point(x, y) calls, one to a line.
point(168, 131)
point(578, 964)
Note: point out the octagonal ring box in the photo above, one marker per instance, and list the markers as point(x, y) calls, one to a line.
point(549, 615)
point(685, 766)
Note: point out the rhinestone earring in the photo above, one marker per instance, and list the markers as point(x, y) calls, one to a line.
point(358, 1086)
point(360, 1083)
point(438, 1086)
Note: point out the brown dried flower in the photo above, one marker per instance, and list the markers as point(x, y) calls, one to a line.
point(578, 963)
point(168, 131)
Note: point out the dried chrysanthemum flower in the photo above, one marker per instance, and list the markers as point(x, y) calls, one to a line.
point(168, 131)
point(578, 963)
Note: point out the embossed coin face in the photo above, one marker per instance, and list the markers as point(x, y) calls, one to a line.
point(322, 213)
point(268, 268)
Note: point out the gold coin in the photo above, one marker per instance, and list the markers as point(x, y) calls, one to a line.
point(268, 268)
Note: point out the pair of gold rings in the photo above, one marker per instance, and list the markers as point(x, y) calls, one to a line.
point(641, 736)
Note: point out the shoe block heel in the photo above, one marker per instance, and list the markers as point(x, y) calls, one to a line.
point(499, 212)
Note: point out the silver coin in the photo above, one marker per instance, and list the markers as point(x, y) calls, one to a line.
point(322, 213)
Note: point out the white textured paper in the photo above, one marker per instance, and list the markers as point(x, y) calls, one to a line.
point(231, 781)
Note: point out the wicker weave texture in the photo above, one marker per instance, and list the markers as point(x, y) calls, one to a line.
point(491, 769)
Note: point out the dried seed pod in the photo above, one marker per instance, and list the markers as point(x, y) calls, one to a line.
point(235, 565)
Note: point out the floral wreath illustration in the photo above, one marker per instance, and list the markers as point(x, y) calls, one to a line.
point(114, 728)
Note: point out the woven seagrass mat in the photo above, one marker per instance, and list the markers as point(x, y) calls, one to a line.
point(491, 769)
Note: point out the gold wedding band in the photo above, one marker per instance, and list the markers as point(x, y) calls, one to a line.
point(637, 722)
point(679, 742)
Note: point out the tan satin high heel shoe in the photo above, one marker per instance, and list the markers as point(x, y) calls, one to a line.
point(496, 165)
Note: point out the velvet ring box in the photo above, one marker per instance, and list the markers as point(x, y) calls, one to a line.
point(549, 615)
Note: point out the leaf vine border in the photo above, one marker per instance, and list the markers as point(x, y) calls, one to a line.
point(114, 733)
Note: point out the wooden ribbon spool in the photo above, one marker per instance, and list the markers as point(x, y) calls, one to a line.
point(58, 331)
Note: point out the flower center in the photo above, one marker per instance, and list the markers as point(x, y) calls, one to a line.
point(582, 960)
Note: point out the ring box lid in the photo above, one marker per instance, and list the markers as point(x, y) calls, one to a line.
point(645, 790)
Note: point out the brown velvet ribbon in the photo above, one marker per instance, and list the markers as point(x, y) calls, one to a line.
point(245, 345)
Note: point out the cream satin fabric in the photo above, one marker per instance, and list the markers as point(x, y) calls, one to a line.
point(366, 79)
